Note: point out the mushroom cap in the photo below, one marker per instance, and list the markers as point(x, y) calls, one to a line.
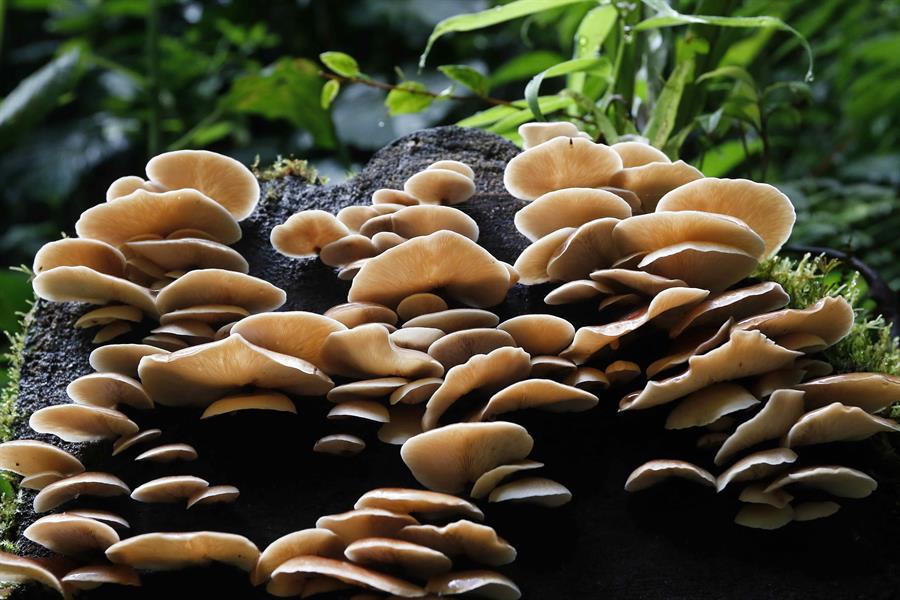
point(842, 482)
point(18, 569)
point(576, 291)
point(353, 217)
point(172, 551)
point(709, 404)
point(737, 304)
point(417, 560)
point(159, 213)
point(810, 511)
point(81, 422)
point(129, 183)
point(80, 252)
point(830, 319)
point(306, 233)
point(220, 177)
point(217, 286)
point(199, 375)
point(656, 471)
point(305, 542)
point(538, 393)
point(39, 481)
point(183, 254)
point(532, 490)
point(121, 358)
point(701, 264)
point(537, 133)
point(339, 444)
point(108, 390)
point(127, 441)
point(761, 206)
point(360, 409)
point(638, 154)
point(208, 313)
point(440, 186)
point(696, 341)
point(166, 341)
point(758, 465)
point(93, 576)
point(654, 180)
point(588, 248)
point(621, 281)
point(302, 568)
point(101, 485)
point(532, 263)
point(420, 304)
point(561, 162)
point(168, 453)
point(347, 250)
point(71, 535)
point(764, 516)
point(365, 522)
point(416, 338)
point(296, 333)
point(214, 494)
point(483, 584)
point(465, 270)
point(767, 383)
point(82, 284)
point(777, 416)
point(191, 332)
point(486, 372)
point(448, 458)
point(416, 392)
point(169, 489)
point(539, 333)
point(587, 378)
point(455, 319)
point(367, 388)
point(106, 315)
point(569, 207)
point(454, 165)
point(367, 351)
point(836, 423)
point(405, 422)
point(389, 196)
point(30, 457)
point(423, 219)
point(103, 516)
point(458, 347)
point(755, 493)
point(352, 314)
point(385, 240)
point(869, 391)
point(425, 503)
point(477, 542)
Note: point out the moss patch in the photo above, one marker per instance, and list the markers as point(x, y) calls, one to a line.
point(288, 167)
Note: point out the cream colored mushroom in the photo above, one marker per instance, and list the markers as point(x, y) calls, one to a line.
point(168, 453)
point(416, 338)
point(347, 250)
point(17, 569)
point(416, 305)
point(411, 558)
point(440, 186)
point(738, 304)
point(420, 220)
point(570, 207)
point(764, 516)
point(353, 217)
point(172, 551)
point(426, 503)
point(701, 264)
point(416, 392)
point(842, 482)
point(709, 404)
point(830, 319)
point(773, 421)
point(74, 252)
point(306, 542)
point(367, 388)
point(693, 343)
point(638, 154)
point(620, 281)
point(103, 516)
point(587, 378)
point(531, 265)
point(108, 390)
point(656, 471)
point(217, 286)
point(653, 180)
point(365, 522)
point(352, 314)
point(31, 457)
point(576, 291)
point(296, 333)
point(71, 535)
point(208, 313)
point(486, 584)
point(339, 444)
point(544, 394)
point(405, 422)
point(111, 331)
point(360, 409)
point(621, 372)
point(755, 493)
point(532, 490)
point(101, 485)
point(122, 359)
point(455, 319)
point(836, 423)
point(269, 400)
point(458, 347)
point(39, 481)
point(169, 489)
point(367, 351)
point(93, 576)
point(385, 240)
point(81, 422)
point(477, 542)
point(294, 572)
point(171, 343)
point(590, 247)
point(107, 315)
point(870, 391)
point(534, 134)
point(389, 196)
point(756, 466)
point(127, 441)
point(184, 254)
point(214, 494)
point(81, 284)
point(810, 511)
point(306, 233)
point(191, 332)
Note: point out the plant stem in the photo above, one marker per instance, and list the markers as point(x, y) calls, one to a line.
point(152, 58)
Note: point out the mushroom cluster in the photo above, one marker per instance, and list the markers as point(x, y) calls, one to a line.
point(150, 234)
point(664, 253)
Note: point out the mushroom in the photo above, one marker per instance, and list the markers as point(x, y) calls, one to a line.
point(477, 542)
point(420, 304)
point(347, 250)
point(534, 134)
point(870, 391)
point(702, 264)
point(39, 481)
point(360, 409)
point(420, 220)
point(587, 378)
point(110, 332)
point(576, 291)
point(190, 332)
point(368, 388)
point(458, 347)
point(532, 490)
point(214, 494)
point(295, 571)
point(93, 576)
point(184, 254)
point(440, 186)
point(107, 315)
point(389, 196)
point(656, 471)
point(764, 516)
point(829, 319)
point(121, 358)
point(653, 180)
point(709, 404)
point(31, 457)
point(619, 281)
point(773, 421)
point(268, 400)
point(169, 489)
point(842, 482)
point(101, 485)
point(756, 493)
point(306, 542)
point(353, 314)
point(82, 284)
point(217, 286)
point(385, 240)
point(756, 466)
point(108, 390)
point(339, 444)
point(416, 392)
point(367, 351)
point(71, 535)
point(81, 422)
point(455, 319)
point(103, 516)
point(405, 422)
point(810, 511)
point(296, 333)
point(416, 338)
point(537, 393)
point(127, 441)
point(532, 264)
point(590, 247)
point(353, 217)
point(638, 154)
point(165, 341)
point(348, 272)
point(621, 372)
point(17, 569)
point(168, 453)
point(693, 343)
point(836, 423)
point(414, 559)
point(425, 503)
point(570, 207)
point(365, 522)
point(208, 313)
point(306, 233)
point(448, 458)
point(172, 551)
point(79, 252)
point(454, 165)
point(486, 584)
point(737, 304)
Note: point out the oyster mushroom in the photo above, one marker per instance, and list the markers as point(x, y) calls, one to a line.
point(71, 535)
point(656, 471)
point(173, 551)
point(30, 457)
point(532, 490)
point(440, 186)
point(653, 180)
point(101, 485)
point(462, 538)
point(561, 162)
point(570, 207)
point(306, 233)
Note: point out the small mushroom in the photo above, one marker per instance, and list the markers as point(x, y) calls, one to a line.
point(656, 471)
point(421, 502)
point(127, 441)
point(389, 196)
point(836, 423)
point(107, 315)
point(590, 247)
point(532, 490)
point(168, 453)
point(486, 584)
point(214, 494)
point(296, 333)
point(39, 481)
point(169, 489)
point(121, 358)
point(458, 347)
point(440, 186)
point(191, 332)
point(108, 390)
point(416, 392)
point(587, 378)
point(368, 388)
point(165, 341)
point(347, 250)
point(81, 284)
point(367, 351)
point(764, 516)
point(17, 569)
point(302, 567)
point(830, 319)
point(454, 165)
point(693, 343)
point(273, 401)
point(756, 493)
point(339, 444)
point(621, 372)
point(411, 558)
point(416, 338)
point(477, 542)
point(544, 394)
point(539, 334)
point(71, 535)
point(701, 264)
point(31, 457)
point(360, 409)
point(870, 391)
point(172, 551)
point(709, 404)
point(416, 221)
point(365, 522)
point(756, 466)
point(810, 511)
point(208, 313)
point(123, 186)
point(561, 162)
point(737, 304)
point(306, 233)
point(773, 421)
point(353, 217)
point(353, 314)
point(620, 281)
point(80, 252)
point(570, 207)
point(532, 264)
point(306, 542)
point(217, 286)
point(103, 516)
point(111, 331)
point(405, 422)
point(842, 482)
point(638, 154)
point(385, 240)
point(184, 254)
point(455, 319)
point(93, 576)
point(420, 304)
point(81, 422)
point(102, 485)
point(534, 134)
point(576, 291)
point(653, 180)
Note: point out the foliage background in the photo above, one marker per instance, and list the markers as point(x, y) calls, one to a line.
point(91, 88)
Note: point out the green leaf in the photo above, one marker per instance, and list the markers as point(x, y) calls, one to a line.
point(408, 98)
point(38, 94)
point(340, 63)
point(724, 158)
point(598, 66)
point(524, 66)
point(488, 117)
point(467, 76)
point(732, 72)
point(592, 31)
point(15, 292)
point(662, 119)
point(491, 16)
point(329, 92)
point(547, 104)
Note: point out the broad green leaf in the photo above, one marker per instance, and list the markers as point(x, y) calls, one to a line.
point(662, 119)
point(205, 136)
point(340, 63)
point(724, 158)
point(488, 117)
point(732, 72)
point(547, 104)
point(524, 66)
point(466, 76)
point(592, 31)
point(408, 98)
point(597, 66)
point(329, 92)
point(37, 95)
point(489, 17)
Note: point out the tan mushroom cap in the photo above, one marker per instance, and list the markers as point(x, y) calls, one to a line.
point(416, 338)
point(549, 367)
point(420, 220)
point(842, 482)
point(39, 481)
point(587, 378)
point(339, 444)
point(183, 254)
point(709, 404)
point(775, 419)
point(654, 180)
point(420, 304)
point(621, 372)
point(830, 319)
point(570, 207)
point(758, 465)
point(17, 569)
point(305, 542)
point(168, 453)
point(273, 401)
point(761, 206)
point(217, 286)
point(483, 584)
point(477, 542)
point(347, 250)
point(165, 341)
point(537, 133)
point(106, 315)
point(422, 502)
point(544, 394)
point(30, 457)
point(353, 217)
point(306, 233)
point(764, 516)
point(108, 390)
point(532, 264)
point(162, 213)
point(627, 280)
point(208, 313)
point(75, 252)
point(123, 186)
point(638, 154)
point(836, 423)
point(532, 490)
point(82, 284)
point(539, 333)
point(192, 332)
point(214, 494)
point(440, 186)
point(125, 442)
point(656, 471)
point(390, 196)
point(746, 353)
point(297, 570)
point(414, 559)
point(804, 342)
point(738, 304)
point(348, 272)
point(869, 391)
point(103, 516)
point(200, 375)
point(590, 247)
point(448, 458)
point(111, 332)
point(559, 163)
point(465, 270)
point(173, 551)
point(367, 388)
point(169, 489)
point(458, 347)
point(454, 165)
point(405, 422)
point(486, 372)
point(779, 379)
point(352, 314)
point(701, 264)
point(385, 240)
point(365, 522)
point(416, 392)
point(360, 409)
point(296, 333)
point(122, 359)
point(101, 485)
point(455, 319)
point(694, 342)
point(810, 511)
point(755, 493)
point(576, 291)
point(81, 422)
point(367, 351)
point(71, 535)
point(220, 177)
point(93, 576)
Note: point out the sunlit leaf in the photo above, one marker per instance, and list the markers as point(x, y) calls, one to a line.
point(407, 98)
point(592, 31)
point(727, 156)
point(466, 76)
point(340, 63)
point(329, 92)
point(596, 66)
point(488, 117)
point(524, 66)
point(665, 112)
point(547, 104)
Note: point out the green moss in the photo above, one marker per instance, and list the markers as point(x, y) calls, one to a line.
point(288, 167)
